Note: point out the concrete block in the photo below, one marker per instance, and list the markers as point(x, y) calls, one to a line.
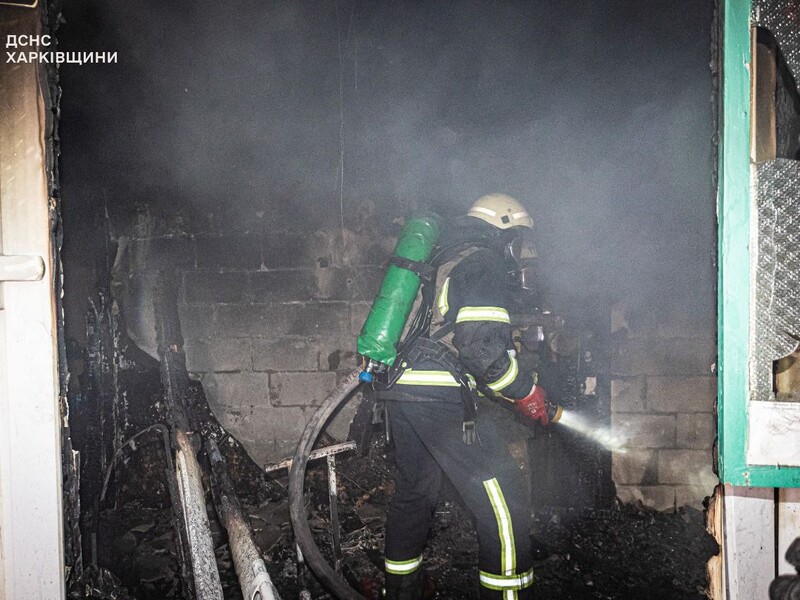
point(322, 248)
point(635, 467)
point(285, 354)
point(687, 495)
point(673, 356)
point(282, 286)
point(278, 320)
point(277, 430)
point(695, 430)
point(339, 426)
point(368, 248)
point(704, 328)
point(681, 394)
point(254, 320)
point(219, 354)
point(655, 323)
point(227, 218)
point(337, 248)
point(686, 467)
point(236, 390)
point(627, 395)
point(197, 322)
point(159, 252)
point(284, 423)
point(358, 283)
point(228, 252)
point(268, 433)
point(282, 426)
point(337, 354)
point(321, 319)
point(657, 497)
point(236, 420)
point(198, 359)
point(211, 287)
point(644, 431)
point(300, 389)
point(291, 250)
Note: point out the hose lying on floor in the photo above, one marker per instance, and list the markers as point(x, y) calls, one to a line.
point(297, 509)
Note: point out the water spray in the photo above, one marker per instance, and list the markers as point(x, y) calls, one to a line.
point(601, 435)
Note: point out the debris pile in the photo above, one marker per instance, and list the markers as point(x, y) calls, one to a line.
point(625, 552)
point(628, 552)
point(132, 551)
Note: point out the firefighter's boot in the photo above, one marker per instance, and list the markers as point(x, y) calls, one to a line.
point(403, 587)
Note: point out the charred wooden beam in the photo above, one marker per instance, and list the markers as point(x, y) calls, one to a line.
point(99, 412)
point(254, 580)
point(205, 576)
point(131, 443)
point(198, 562)
point(170, 351)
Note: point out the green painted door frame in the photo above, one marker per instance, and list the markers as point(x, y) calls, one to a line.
point(734, 257)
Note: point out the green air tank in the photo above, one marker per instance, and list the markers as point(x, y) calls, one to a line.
point(387, 318)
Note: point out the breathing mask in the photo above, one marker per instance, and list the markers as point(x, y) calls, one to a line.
point(519, 253)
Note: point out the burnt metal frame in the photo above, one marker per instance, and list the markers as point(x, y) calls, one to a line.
point(734, 256)
point(329, 453)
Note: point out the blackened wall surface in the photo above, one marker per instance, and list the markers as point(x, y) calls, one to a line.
point(267, 150)
point(663, 393)
point(268, 319)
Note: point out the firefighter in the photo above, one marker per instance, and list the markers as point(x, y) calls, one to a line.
point(436, 427)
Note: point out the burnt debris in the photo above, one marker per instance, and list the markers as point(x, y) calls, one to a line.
point(588, 546)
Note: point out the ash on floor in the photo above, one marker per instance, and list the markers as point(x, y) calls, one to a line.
point(623, 553)
point(626, 552)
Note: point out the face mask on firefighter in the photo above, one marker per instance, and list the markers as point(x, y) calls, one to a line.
point(519, 252)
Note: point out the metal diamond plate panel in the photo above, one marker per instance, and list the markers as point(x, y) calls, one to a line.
point(782, 18)
point(775, 307)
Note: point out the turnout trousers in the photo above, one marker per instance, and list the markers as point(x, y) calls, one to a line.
point(428, 441)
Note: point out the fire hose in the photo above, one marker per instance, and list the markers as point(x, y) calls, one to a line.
point(297, 508)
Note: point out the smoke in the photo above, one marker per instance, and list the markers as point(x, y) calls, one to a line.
point(606, 437)
point(310, 113)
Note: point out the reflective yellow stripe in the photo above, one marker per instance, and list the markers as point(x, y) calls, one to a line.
point(506, 582)
point(483, 313)
point(438, 378)
point(402, 567)
point(508, 378)
point(444, 306)
point(508, 554)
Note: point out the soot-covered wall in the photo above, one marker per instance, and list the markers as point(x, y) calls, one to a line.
point(268, 150)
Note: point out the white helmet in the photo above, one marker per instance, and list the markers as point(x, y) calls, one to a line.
point(501, 211)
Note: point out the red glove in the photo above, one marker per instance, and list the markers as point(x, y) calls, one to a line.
point(534, 406)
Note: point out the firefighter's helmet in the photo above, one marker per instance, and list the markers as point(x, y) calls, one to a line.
point(501, 211)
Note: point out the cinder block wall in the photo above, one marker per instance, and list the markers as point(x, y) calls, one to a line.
point(663, 389)
point(269, 319)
